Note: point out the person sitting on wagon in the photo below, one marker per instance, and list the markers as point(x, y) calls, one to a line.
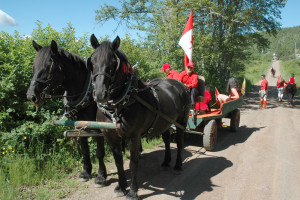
point(204, 107)
point(233, 88)
point(190, 79)
point(171, 73)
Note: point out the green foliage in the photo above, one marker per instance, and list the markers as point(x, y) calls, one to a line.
point(223, 30)
point(254, 70)
point(32, 149)
point(286, 43)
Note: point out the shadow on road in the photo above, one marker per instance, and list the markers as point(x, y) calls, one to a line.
point(191, 182)
point(226, 138)
point(194, 179)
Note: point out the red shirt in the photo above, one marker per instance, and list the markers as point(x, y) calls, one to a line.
point(207, 99)
point(280, 85)
point(292, 80)
point(191, 80)
point(173, 74)
point(264, 85)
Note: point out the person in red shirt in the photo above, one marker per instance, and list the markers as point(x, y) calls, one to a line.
point(190, 79)
point(204, 107)
point(233, 88)
point(280, 87)
point(292, 79)
point(169, 71)
point(264, 86)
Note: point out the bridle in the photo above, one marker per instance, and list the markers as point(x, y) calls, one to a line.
point(130, 85)
point(112, 78)
point(44, 94)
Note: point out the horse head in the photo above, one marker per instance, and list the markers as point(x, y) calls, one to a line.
point(107, 66)
point(47, 73)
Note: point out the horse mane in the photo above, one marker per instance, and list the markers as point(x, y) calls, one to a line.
point(105, 48)
point(71, 59)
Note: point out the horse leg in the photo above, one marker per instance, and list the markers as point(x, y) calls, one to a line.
point(134, 145)
point(100, 180)
point(85, 175)
point(179, 141)
point(166, 139)
point(116, 148)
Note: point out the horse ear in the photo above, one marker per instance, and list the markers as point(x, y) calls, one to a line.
point(94, 41)
point(89, 65)
point(116, 43)
point(54, 47)
point(36, 46)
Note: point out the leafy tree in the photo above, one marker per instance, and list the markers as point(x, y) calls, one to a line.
point(223, 30)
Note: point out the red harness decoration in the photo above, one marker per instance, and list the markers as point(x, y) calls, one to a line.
point(126, 68)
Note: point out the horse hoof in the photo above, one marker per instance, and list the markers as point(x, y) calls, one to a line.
point(132, 195)
point(119, 192)
point(84, 176)
point(100, 182)
point(177, 168)
point(165, 166)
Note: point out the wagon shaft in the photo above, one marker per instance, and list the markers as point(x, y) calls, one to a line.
point(87, 124)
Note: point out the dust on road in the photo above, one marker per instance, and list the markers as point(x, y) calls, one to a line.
point(259, 161)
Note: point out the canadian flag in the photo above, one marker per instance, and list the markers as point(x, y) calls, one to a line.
point(216, 95)
point(186, 40)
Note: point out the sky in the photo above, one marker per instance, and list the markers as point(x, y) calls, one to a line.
point(22, 15)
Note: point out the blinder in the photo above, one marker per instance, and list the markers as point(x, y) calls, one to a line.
point(48, 80)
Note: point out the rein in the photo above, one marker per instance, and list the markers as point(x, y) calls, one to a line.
point(44, 94)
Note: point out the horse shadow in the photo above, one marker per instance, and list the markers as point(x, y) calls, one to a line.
point(187, 184)
point(194, 179)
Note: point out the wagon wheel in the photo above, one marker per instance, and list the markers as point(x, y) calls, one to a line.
point(235, 120)
point(210, 135)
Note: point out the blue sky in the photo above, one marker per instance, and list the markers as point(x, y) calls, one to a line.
point(22, 15)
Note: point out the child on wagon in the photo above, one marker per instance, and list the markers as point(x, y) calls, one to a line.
point(204, 107)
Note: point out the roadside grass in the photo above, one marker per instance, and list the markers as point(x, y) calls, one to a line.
point(254, 70)
point(28, 178)
point(288, 67)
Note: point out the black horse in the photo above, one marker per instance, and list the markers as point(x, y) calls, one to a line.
point(54, 66)
point(290, 90)
point(141, 109)
point(273, 71)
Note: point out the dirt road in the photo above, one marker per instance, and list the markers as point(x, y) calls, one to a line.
point(259, 161)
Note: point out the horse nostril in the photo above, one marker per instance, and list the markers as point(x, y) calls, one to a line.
point(33, 99)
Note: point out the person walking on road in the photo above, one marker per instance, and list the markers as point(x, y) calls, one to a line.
point(280, 87)
point(264, 86)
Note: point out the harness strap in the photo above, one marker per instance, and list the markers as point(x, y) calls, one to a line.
point(147, 105)
point(151, 130)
